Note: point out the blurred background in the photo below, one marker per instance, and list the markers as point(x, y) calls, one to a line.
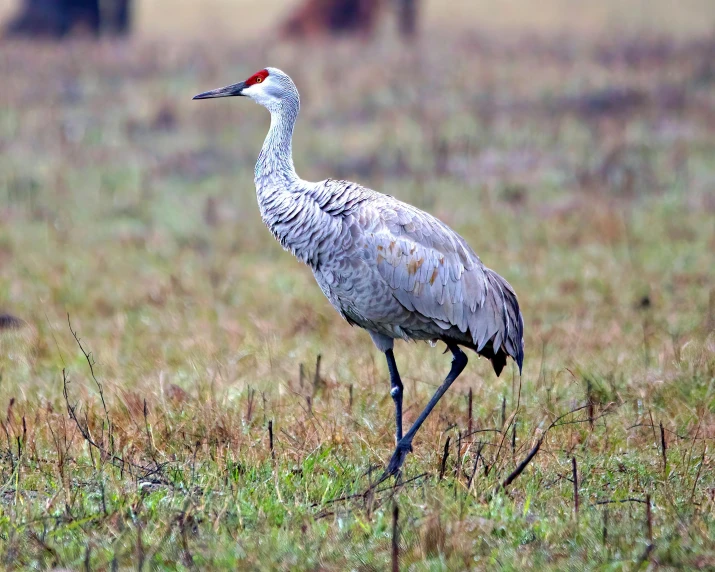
point(558, 139)
point(234, 18)
point(571, 143)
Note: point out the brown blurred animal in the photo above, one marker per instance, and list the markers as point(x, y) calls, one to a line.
point(316, 18)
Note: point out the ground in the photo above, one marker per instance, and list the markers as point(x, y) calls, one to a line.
point(580, 167)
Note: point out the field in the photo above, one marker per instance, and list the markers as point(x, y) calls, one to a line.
point(224, 416)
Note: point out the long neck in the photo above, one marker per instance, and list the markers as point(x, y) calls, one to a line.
point(275, 163)
point(291, 215)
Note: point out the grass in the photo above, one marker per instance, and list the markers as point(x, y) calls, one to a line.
point(580, 169)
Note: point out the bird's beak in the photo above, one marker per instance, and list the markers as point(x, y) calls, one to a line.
point(228, 91)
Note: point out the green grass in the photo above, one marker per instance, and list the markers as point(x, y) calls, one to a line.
point(131, 208)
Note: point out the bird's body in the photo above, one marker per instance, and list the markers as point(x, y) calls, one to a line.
point(386, 266)
point(394, 270)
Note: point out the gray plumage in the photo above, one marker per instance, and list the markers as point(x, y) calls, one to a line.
point(386, 266)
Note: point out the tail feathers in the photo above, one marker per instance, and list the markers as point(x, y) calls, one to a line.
point(509, 337)
point(499, 361)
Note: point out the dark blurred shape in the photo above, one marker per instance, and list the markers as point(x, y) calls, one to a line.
point(61, 18)
point(116, 17)
point(165, 118)
point(314, 18)
point(514, 194)
point(637, 52)
point(317, 18)
point(176, 394)
point(407, 18)
point(622, 102)
point(211, 214)
point(610, 101)
point(10, 322)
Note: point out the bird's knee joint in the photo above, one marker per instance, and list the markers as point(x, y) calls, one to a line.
point(396, 392)
point(460, 357)
point(405, 445)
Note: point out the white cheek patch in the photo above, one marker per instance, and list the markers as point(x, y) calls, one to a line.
point(252, 90)
point(259, 94)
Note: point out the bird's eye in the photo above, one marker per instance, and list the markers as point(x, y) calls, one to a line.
point(259, 79)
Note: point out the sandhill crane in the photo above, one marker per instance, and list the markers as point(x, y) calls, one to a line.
point(386, 266)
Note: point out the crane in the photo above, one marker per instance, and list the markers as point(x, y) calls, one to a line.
point(384, 265)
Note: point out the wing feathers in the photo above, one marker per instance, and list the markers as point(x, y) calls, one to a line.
point(432, 271)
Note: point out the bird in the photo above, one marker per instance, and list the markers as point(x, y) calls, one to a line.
point(384, 265)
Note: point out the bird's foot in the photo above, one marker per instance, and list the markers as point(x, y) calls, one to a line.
point(403, 447)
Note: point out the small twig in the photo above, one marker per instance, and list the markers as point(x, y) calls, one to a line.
point(610, 501)
point(652, 425)
point(469, 412)
point(371, 491)
point(645, 324)
point(458, 465)
point(249, 404)
point(692, 445)
point(663, 448)
point(475, 431)
point(395, 538)
point(574, 472)
point(557, 422)
point(504, 432)
point(10, 454)
point(445, 455)
point(90, 362)
point(115, 459)
point(270, 439)
point(317, 381)
point(521, 466)
point(649, 531)
point(474, 468)
point(678, 435)
point(697, 476)
point(149, 437)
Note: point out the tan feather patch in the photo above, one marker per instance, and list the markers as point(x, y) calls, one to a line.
point(414, 265)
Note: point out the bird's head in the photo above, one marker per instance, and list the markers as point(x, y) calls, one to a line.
point(270, 87)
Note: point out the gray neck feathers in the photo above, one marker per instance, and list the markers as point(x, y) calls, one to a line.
point(283, 198)
point(275, 163)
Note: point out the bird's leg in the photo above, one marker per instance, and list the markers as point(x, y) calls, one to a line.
point(404, 445)
point(395, 392)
